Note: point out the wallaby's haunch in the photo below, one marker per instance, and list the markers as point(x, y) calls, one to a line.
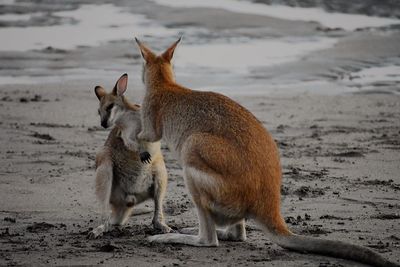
point(122, 180)
point(230, 162)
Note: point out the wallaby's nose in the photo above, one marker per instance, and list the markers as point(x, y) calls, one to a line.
point(104, 124)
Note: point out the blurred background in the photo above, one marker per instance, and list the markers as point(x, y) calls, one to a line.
point(232, 46)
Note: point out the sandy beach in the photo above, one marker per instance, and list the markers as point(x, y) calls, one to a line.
point(329, 96)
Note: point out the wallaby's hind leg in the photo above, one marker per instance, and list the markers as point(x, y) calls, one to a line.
point(104, 177)
point(118, 217)
point(207, 234)
point(160, 186)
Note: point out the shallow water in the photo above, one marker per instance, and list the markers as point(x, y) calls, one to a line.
point(241, 56)
point(65, 75)
point(348, 22)
point(224, 64)
point(380, 79)
point(97, 24)
point(376, 74)
point(101, 23)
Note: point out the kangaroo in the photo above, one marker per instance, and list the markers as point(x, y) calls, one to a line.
point(230, 162)
point(122, 180)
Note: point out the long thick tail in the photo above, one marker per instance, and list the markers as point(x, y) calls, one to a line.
point(337, 249)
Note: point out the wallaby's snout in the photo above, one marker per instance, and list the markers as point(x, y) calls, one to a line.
point(104, 124)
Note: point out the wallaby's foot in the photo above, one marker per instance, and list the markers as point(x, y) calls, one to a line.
point(190, 240)
point(97, 232)
point(235, 232)
point(229, 236)
point(225, 235)
point(145, 157)
point(162, 227)
point(189, 231)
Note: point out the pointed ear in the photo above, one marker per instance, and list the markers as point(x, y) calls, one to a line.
point(168, 54)
point(147, 54)
point(121, 85)
point(99, 91)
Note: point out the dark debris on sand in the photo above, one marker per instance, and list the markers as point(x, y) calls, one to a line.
point(308, 191)
point(108, 247)
point(35, 98)
point(39, 227)
point(9, 219)
point(393, 216)
point(46, 137)
point(50, 125)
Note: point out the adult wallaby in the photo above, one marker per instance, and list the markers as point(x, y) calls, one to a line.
point(230, 162)
point(122, 180)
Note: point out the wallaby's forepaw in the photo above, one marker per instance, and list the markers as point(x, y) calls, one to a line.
point(145, 157)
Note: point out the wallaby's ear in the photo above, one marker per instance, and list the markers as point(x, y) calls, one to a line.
point(145, 51)
point(168, 54)
point(99, 91)
point(121, 85)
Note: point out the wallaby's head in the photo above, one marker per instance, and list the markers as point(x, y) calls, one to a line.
point(111, 104)
point(157, 67)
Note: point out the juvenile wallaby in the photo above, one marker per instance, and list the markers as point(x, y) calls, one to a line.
point(122, 180)
point(230, 162)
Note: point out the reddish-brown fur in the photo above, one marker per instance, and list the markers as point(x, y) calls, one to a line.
point(243, 155)
point(231, 162)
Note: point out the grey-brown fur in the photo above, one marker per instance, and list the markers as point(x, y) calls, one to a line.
point(122, 180)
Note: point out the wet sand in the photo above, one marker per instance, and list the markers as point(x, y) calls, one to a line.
point(340, 159)
point(338, 138)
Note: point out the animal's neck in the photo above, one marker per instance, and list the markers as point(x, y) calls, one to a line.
point(123, 117)
point(160, 77)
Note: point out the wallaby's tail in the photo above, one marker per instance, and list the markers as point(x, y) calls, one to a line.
point(337, 249)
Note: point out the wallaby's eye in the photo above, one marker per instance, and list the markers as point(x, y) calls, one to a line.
point(110, 107)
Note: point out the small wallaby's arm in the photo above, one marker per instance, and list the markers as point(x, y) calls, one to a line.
point(126, 136)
